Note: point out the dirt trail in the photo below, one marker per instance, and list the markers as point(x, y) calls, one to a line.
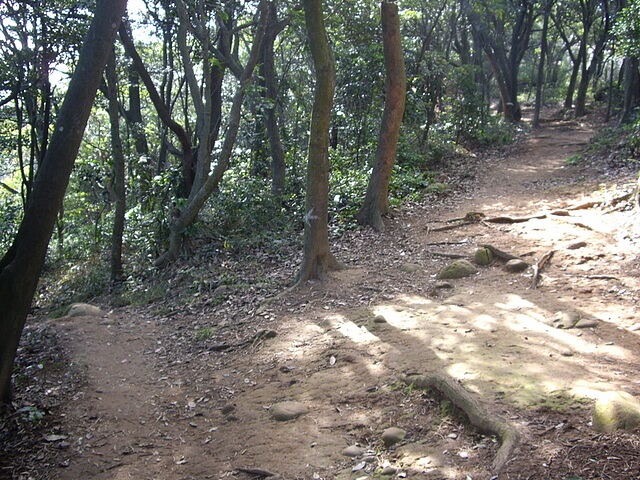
point(162, 403)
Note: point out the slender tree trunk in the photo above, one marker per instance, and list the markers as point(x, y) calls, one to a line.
point(543, 57)
point(21, 266)
point(118, 171)
point(134, 113)
point(278, 168)
point(318, 259)
point(376, 202)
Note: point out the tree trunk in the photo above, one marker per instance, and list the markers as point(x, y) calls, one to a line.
point(376, 203)
point(631, 89)
point(318, 259)
point(271, 94)
point(21, 266)
point(543, 57)
point(118, 171)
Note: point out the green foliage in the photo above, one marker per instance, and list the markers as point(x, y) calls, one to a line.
point(204, 333)
point(244, 214)
point(74, 280)
point(626, 29)
point(137, 295)
point(31, 414)
point(10, 217)
point(573, 159)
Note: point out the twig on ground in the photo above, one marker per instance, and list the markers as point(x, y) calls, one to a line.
point(538, 266)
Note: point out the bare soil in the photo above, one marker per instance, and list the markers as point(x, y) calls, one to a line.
point(185, 391)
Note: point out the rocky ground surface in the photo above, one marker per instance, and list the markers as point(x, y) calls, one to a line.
point(310, 384)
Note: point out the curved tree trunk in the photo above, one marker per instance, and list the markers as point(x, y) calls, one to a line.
point(318, 259)
point(21, 266)
point(376, 202)
point(207, 184)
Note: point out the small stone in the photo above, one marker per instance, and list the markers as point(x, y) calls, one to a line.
point(379, 319)
point(576, 245)
point(410, 267)
point(516, 266)
point(443, 286)
point(566, 353)
point(389, 470)
point(84, 310)
point(354, 451)
point(483, 256)
point(393, 435)
point(457, 269)
point(565, 319)
point(228, 408)
point(286, 411)
point(586, 323)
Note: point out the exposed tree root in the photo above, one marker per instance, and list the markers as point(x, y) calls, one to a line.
point(446, 255)
point(505, 219)
point(501, 254)
point(485, 421)
point(256, 471)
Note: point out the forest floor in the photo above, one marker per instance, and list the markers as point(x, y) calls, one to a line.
point(177, 391)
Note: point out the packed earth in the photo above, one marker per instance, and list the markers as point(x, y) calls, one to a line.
point(379, 371)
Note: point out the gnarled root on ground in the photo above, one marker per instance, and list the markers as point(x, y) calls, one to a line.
point(478, 415)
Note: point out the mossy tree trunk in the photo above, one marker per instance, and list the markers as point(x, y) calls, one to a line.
point(376, 202)
point(21, 266)
point(318, 259)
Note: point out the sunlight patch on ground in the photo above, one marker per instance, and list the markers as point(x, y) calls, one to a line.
point(353, 332)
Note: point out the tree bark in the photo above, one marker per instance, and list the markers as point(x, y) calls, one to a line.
point(376, 202)
point(318, 259)
point(21, 266)
point(631, 89)
point(118, 171)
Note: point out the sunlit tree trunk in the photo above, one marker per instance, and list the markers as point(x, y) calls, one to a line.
point(376, 202)
point(318, 259)
point(21, 266)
